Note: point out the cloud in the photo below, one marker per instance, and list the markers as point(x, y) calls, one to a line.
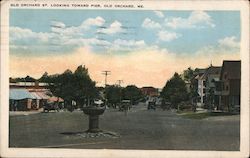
point(197, 19)
point(142, 67)
point(20, 35)
point(159, 14)
point(115, 27)
point(229, 42)
point(226, 46)
point(60, 27)
point(27, 42)
point(127, 45)
point(98, 21)
point(150, 24)
point(167, 36)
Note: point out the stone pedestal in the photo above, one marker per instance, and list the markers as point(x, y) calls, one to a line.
point(94, 124)
point(94, 113)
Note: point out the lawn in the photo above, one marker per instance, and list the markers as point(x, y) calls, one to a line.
point(193, 115)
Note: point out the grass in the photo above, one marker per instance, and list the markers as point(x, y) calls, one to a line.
point(192, 115)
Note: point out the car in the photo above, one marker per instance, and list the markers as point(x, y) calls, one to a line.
point(49, 106)
point(125, 105)
point(151, 105)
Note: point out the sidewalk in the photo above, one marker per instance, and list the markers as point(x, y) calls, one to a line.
point(25, 113)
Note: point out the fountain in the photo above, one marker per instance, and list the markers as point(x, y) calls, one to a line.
point(94, 112)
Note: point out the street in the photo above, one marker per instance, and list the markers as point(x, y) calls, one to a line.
point(139, 129)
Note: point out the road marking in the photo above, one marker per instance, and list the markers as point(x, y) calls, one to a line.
point(65, 145)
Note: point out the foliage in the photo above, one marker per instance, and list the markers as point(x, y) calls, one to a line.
point(175, 90)
point(188, 74)
point(25, 79)
point(132, 93)
point(113, 94)
point(76, 86)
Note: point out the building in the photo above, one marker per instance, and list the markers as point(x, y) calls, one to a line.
point(25, 96)
point(150, 91)
point(211, 76)
point(199, 73)
point(230, 78)
point(20, 99)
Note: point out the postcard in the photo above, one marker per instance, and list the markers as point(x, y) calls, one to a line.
point(124, 78)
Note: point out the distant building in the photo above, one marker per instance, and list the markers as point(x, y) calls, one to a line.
point(150, 91)
point(230, 78)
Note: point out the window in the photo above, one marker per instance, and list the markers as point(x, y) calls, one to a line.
point(225, 76)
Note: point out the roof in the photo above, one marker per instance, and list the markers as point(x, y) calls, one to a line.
point(233, 69)
point(19, 94)
point(212, 70)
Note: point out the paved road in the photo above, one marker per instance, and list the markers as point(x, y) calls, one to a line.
point(140, 129)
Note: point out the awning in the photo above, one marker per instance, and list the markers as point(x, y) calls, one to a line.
point(55, 99)
point(19, 94)
point(43, 95)
point(35, 95)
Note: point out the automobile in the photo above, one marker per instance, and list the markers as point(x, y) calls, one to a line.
point(125, 105)
point(166, 105)
point(49, 106)
point(98, 102)
point(151, 105)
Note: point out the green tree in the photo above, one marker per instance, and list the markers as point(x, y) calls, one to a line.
point(132, 93)
point(83, 85)
point(188, 74)
point(113, 94)
point(175, 91)
point(76, 86)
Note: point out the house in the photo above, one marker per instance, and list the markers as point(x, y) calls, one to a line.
point(199, 73)
point(230, 85)
point(211, 75)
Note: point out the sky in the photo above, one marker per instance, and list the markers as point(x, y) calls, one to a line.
point(142, 48)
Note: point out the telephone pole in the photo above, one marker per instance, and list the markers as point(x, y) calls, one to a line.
point(119, 82)
point(106, 73)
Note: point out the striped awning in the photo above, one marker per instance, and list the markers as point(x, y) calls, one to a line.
point(19, 94)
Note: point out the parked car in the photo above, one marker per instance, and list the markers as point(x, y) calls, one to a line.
point(50, 106)
point(125, 105)
point(166, 105)
point(151, 105)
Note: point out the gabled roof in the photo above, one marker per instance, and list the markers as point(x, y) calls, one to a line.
point(212, 70)
point(233, 69)
point(19, 94)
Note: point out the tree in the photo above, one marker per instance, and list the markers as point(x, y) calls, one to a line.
point(83, 85)
point(132, 93)
point(76, 86)
point(113, 94)
point(188, 74)
point(45, 78)
point(175, 91)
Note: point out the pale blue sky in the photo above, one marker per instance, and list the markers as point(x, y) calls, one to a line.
point(176, 31)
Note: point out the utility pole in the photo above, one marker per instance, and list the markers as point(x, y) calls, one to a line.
point(119, 82)
point(106, 73)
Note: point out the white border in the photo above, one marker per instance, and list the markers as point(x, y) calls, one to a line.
point(243, 6)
